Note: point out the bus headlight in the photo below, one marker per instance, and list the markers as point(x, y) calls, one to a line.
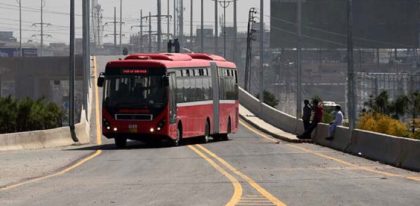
point(152, 130)
point(115, 129)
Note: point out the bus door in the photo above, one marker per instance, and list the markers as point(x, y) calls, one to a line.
point(216, 98)
point(172, 98)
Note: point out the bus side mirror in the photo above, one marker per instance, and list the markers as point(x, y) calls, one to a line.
point(101, 80)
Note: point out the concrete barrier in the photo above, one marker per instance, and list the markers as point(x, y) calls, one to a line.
point(396, 151)
point(49, 138)
point(57, 137)
point(269, 114)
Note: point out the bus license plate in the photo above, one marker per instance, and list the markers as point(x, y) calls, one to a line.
point(132, 128)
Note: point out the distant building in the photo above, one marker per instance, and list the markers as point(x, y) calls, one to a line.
point(7, 36)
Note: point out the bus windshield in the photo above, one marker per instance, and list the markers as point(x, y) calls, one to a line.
point(135, 91)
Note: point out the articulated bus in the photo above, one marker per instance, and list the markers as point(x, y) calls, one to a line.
point(154, 97)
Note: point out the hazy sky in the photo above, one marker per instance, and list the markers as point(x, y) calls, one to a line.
point(56, 12)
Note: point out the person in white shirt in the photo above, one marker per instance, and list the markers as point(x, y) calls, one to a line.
point(338, 120)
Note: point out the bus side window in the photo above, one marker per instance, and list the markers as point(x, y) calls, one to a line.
point(180, 90)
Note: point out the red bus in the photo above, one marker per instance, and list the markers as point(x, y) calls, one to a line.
point(151, 97)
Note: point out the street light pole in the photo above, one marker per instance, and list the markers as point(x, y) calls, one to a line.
point(351, 105)
point(86, 54)
point(299, 61)
point(72, 72)
point(261, 53)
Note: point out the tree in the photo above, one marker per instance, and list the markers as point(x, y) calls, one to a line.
point(414, 99)
point(269, 99)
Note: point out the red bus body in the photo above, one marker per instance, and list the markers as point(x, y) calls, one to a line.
point(199, 90)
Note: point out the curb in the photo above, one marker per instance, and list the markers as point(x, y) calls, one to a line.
point(280, 137)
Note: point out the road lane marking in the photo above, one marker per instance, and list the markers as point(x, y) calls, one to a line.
point(269, 138)
point(98, 123)
point(301, 148)
point(65, 170)
point(237, 194)
point(250, 181)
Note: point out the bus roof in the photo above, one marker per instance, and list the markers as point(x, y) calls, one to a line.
point(173, 60)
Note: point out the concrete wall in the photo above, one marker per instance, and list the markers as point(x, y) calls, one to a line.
point(37, 77)
point(48, 68)
point(57, 137)
point(397, 151)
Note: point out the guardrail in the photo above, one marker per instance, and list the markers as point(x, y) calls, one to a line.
point(397, 151)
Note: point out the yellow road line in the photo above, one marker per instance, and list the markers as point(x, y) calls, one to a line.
point(333, 158)
point(251, 182)
point(237, 194)
point(269, 138)
point(98, 123)
point(65, 170)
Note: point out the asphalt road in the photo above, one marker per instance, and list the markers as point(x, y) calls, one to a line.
point(249, 169)
point(293, 174)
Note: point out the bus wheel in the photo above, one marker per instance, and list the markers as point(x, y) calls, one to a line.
point(120, 142)
point(178, 139)
point(206, 137)
point(225, 137)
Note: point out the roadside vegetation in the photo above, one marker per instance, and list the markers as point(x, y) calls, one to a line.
point(398, 117)
point(269, 99)
point(28, 115)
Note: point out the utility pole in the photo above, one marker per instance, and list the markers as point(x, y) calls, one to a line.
point(224, 4)
point(181, 23)
point(115, 34)
point(191, 24)
point(115, 27)
point(140, 36)
point(202, 27)
point(235, 30)
point(86, 54)
point(216, 27)
point(175, 17)
point(121, 26)
point(141, 31)
point(249, 39)
point(261, 53)
point(20, 28)
point(159, 25)
point(351, 105)
point(150, 32)
point(168, 17)
point(42, 24)
point(299, 61)
point(71, 72)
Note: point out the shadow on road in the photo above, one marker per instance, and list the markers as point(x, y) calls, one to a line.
point(134, 145)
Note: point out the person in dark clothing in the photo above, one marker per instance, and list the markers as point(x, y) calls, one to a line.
point(306, 117)
point(177, 46)
point(170, 46)
point(318, 112)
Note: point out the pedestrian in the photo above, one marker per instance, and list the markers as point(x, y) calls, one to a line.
point(338, 120)
point(177, 46)
point(306, 117)
point(318, 112)
point(170, 46)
